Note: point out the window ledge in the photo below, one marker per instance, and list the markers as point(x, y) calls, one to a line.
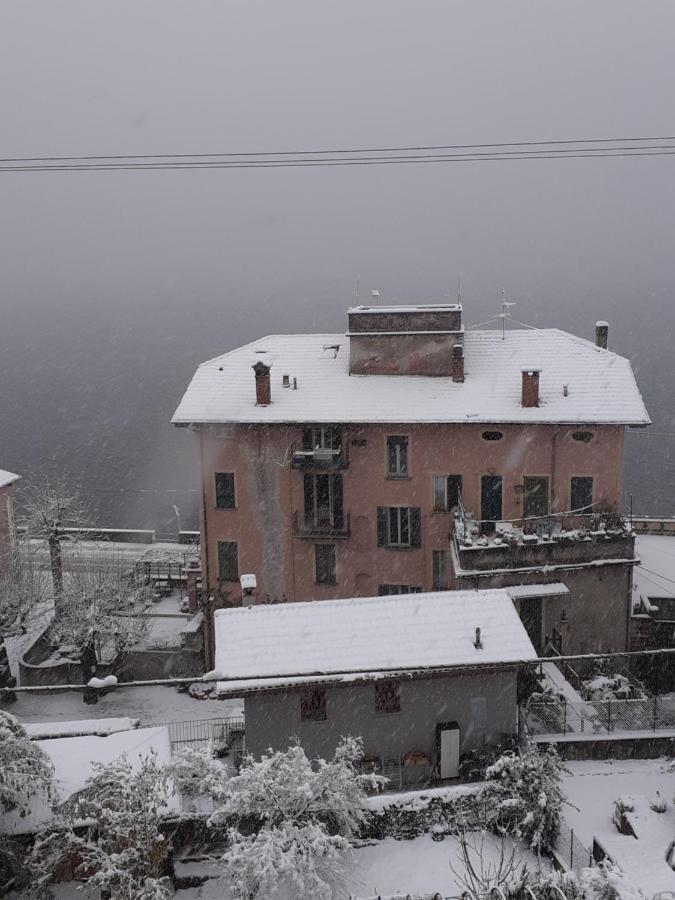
point(398, 477)
point(398, 547)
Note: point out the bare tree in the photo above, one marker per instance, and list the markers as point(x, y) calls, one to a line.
point(100, 615)
point(49, 508)
point(482, 869)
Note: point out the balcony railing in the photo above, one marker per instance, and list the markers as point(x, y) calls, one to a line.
point(323, 459)
point(311, 527)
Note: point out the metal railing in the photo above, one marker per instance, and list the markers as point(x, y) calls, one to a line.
point(320, 458)
point(571, 852)
point(338, 526)
point(590, 717)
point(221, 735)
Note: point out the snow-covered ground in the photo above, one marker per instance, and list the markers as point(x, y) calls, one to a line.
point(592, 788)
point(156, 705)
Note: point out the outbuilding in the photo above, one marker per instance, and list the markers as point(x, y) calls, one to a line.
point(423, 678)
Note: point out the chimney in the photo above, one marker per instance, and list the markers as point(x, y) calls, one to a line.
point(263, 390)
point(478, 644)
point(194, 574)
point(530, 387)
point(457, 363)
point(248, 589)
point(601, 334)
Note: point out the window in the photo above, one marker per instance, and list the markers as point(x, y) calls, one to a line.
point(228, 561)
point(581, 494)
point(313, 705)
point(397, 456)
point(439, 570)
point(399, 526)
point(492, 435)
point(323, 501)
point(322, 437)
point(224, 490)
point(535, 497)
point(387, 697)
point(324, 563)
point(584, 437)
point(447, 491)
point(391, 590)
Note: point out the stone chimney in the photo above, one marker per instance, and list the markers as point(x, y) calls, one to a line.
point(263, 389)
point(404, 340)
point(458, 363)
point(601, 334)
point(530, 395)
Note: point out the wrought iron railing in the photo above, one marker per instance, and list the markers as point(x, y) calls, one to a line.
point(336, 526)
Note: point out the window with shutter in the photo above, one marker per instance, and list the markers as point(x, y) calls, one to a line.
point(387, 697)
point(392, 590)
point(439, 566)
point(313, 705)
point(581, 494)
point(228, 561)
point(324, 562)
point(447, 490)
point(397, 456)
point(225, 490)
point(399, 526)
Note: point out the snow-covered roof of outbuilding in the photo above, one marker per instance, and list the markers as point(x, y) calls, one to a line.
point(291, 641)
point(601, 387)
point(7, 478)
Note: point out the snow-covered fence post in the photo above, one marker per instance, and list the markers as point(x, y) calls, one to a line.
point(572, 850)
point(564, 715)
point(609, 715)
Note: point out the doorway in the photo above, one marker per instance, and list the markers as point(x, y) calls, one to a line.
point(490, 502)
point(532, 616)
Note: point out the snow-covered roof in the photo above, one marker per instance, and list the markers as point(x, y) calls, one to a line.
point(291, 641)
point(655, 575)
point(79, 727)
point(7, 478)
point(520, 591)
point(73, 759)
point(601, 387)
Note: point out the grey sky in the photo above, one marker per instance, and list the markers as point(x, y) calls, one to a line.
point(115, 285)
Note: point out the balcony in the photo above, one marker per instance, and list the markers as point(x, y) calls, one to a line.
point(311, 528)
point(320, 459)
point(555, 540)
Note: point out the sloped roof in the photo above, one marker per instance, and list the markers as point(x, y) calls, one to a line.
point(332, 637)
point(601, 387)
point(7, 478)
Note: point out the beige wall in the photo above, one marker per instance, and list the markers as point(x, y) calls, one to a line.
point(273, 720)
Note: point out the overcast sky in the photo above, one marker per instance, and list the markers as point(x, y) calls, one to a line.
point(113, 286)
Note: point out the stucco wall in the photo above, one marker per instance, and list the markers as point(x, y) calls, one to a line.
point(273, 720)
point(269, 490)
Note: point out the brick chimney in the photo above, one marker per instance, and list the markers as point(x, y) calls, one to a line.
point(263, 390)
point(458, 363)
point(601, 334)
point(249, 587)
point(530, 387)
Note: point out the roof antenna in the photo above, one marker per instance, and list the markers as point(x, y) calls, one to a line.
point(376, 297)
point(459, 290)
point(504, 314)
point(356, 292)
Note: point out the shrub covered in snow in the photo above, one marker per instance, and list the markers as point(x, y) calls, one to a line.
point(123, 849)
point(195, 773)
point(527, 796)
point(25, 770)
point(309, 809)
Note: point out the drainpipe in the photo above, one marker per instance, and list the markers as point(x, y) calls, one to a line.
point(208, 608)
point(556, 430)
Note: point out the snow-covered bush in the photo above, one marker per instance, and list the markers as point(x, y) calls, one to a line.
point(124, 849)
point(25, 770)
point(658, 803)
point(603, 882)
point(526, 794)
point(622, 805)
point(195, 773)
point(307, 811)
point(613, 687)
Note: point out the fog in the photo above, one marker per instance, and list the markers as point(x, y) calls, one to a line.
point(114, 286)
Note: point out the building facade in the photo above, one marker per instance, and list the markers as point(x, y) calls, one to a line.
point(407, 455)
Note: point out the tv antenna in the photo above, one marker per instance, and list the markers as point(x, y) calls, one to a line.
point(505, 313)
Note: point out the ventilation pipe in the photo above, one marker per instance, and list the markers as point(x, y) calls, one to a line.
point(249, 586)
point(601, 334)
point(263, 389)
point(530, 396)
point(458, 363)
point(478, 644)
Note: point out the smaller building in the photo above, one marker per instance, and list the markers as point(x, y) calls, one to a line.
point(423, 678)
point(7, 528)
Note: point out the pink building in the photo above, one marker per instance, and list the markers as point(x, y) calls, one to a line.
point(7, 530)
point(408, 455)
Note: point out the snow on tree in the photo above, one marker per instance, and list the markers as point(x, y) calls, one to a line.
point(25, 772)
point(49, 506)
point(307, 811)
point(124, 849)
point(480, 870)
point(527, 794)
point(99, 615)
point(195, 773)
point(23, 589)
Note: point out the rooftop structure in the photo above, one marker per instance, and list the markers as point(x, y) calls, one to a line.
point(7, 478)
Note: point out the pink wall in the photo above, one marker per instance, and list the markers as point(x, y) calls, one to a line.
point(268, 491)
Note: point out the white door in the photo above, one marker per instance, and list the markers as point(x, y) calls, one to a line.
point(449, 753)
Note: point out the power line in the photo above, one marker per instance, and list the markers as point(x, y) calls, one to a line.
point(265, 153)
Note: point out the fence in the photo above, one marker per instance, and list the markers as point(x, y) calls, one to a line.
point(221, 735)
point(600, 716)
point(570, 852)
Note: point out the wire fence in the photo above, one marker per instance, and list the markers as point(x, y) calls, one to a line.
point(566, 717)
point(571, 852)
